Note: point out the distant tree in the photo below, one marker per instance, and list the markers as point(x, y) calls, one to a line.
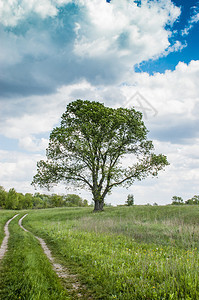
point(28, 201)
point(38, 201)
point(21, 200)
point(73, 200)
point(177, 200)
point(85, 203)
point(3, 195)
point(193, 201)
point(12, 199)
point(155, 204)
point(56, 200)
point(107, 204)
point(87, 149)
point(130, 200)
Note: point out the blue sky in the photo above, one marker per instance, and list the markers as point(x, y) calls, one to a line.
point(55, 51)
point(188, 53)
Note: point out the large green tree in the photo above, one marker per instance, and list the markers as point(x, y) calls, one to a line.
point(98, 147)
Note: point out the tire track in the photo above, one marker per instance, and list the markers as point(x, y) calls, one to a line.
point(4, 245)
point(59, 269)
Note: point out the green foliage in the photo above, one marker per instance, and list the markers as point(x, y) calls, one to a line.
point(193, 201)
point(74, 200)
point(14, 200)
point(88, 147)
point(130, 200)
point(2, 197)
point(177, 200)
point(123, 262)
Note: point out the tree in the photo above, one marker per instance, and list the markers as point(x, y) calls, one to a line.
point(193, 201)
point(89, 147)
point(130, 200)
point(56, 200)
point(12, 199)
point(177, 200)
point(73, 200)
point(3, 195)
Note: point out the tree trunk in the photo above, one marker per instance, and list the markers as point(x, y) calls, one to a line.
point(98, 205)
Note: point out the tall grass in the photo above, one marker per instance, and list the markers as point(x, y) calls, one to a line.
point(25, 272)
point(127, 253)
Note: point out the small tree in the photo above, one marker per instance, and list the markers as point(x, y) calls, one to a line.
point(88, 147)
point(130, 200)
point(177, 200)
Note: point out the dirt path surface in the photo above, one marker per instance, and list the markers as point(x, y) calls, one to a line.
point(61, 271)
point(4, 245)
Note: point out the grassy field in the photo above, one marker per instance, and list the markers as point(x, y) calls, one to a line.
point(140, 252)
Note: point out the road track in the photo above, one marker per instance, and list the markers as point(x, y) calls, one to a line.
point(61, 271)
point(4, 245)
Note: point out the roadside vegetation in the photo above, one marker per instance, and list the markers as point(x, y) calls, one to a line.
point(25, 272)
point(138, 252)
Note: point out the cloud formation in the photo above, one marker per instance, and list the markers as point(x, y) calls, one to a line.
point(53, 52)
point(12, 12)
point(193, 20)
point(44, 47)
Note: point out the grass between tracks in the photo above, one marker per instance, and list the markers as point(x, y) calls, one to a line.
point(126, 253)
point(25, 272)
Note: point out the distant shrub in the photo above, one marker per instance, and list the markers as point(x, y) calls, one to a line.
point(193, 201)
point(130, 200)
point(177, 200)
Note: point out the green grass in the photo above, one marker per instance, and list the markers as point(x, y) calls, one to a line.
point(5, 215)
point(139, 252)
point(25, 272)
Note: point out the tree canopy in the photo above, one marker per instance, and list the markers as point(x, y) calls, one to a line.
point(89, 149)
point(14, 200)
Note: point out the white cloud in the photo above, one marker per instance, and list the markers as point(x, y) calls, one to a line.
point(17, 167)
point(13, 11)
point(193, 20)
point(101, 43)
point(32, 144)
point(174, 92)
point(176, 47)
point(125, 30)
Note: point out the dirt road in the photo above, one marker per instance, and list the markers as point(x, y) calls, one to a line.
point(4, 244)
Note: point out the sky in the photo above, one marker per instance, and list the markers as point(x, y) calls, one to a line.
point(124, 53)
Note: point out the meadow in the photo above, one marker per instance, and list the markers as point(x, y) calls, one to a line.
point(139, 252)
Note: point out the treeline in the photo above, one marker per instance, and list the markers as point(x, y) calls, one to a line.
point(14, 200)
point(179, 201)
